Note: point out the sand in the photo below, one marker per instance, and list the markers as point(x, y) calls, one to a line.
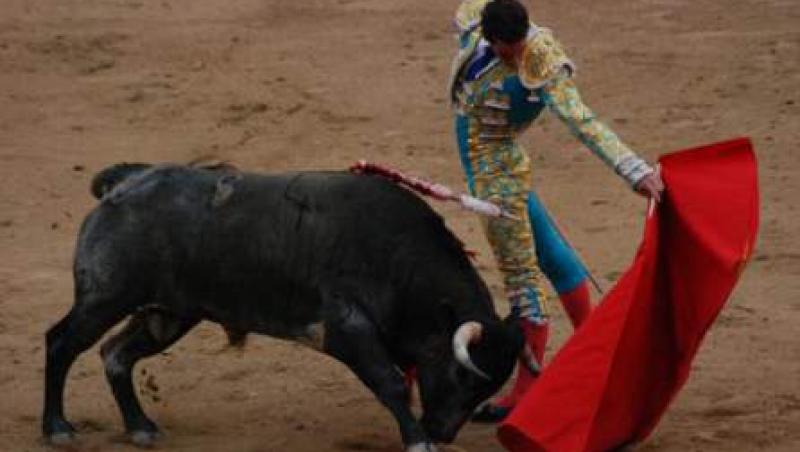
point(272, 85)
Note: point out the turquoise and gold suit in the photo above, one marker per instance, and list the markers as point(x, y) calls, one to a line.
point(495, 103)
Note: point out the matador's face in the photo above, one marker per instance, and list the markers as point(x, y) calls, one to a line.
point(509, 53)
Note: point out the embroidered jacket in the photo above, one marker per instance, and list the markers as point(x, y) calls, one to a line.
point(503, 102)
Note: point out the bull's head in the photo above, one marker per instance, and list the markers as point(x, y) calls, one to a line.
point(477, 362)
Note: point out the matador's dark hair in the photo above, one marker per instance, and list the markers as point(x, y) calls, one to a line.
point(505, 21)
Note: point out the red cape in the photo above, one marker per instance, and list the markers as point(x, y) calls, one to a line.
point(612, 381)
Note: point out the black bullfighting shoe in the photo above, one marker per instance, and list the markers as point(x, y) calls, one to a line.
point(490, 414)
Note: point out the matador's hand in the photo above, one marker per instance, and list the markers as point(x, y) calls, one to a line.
point(651, 185)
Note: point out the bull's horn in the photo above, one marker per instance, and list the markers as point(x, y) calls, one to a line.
point(466, 334)
point(530, 361)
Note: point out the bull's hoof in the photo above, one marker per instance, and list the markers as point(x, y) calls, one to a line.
point(58, 432)
point(421, 447)
point(61, 438)
point(145, 438)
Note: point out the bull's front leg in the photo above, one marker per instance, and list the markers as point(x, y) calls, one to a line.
point(353, 339)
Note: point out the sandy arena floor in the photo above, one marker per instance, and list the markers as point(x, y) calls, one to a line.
point(272, 85)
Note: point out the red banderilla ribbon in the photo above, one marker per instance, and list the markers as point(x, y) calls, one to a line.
point(434, 190)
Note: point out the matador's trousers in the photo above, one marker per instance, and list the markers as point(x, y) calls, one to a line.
point(500, 172)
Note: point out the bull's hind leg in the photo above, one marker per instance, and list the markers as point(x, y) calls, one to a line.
point(75, 333)
point(147, 333)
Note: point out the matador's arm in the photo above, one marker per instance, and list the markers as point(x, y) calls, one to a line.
point(562, 97)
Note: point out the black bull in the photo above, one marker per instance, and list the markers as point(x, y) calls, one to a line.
point(352, 265)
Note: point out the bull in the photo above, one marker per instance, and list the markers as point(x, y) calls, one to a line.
point(351, 265)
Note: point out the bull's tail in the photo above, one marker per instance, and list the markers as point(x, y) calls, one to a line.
point(105, 181)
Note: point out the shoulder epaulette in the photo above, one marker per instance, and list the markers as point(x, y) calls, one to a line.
point(468, 14)
point(543, 60)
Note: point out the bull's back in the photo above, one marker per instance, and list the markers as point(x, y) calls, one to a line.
point(258, 247)
point(314, 225)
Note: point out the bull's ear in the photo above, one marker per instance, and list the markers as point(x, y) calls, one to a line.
point(505, 333)
point(511, 321)
point(513, 330)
